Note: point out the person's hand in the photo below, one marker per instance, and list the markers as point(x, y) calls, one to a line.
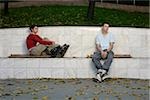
point(104, 54)
point(53, 42)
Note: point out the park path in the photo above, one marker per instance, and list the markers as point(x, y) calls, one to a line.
point(74, 89)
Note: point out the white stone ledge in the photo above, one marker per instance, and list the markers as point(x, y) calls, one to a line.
point(25, 68)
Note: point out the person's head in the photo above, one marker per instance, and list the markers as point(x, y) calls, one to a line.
point(105, 27)
point(33, 28)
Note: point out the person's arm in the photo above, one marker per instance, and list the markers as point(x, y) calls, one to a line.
point(112, 41)
point(46, 39)
point(41, 41)
point(98, 47)
point(103, 53)
point(110, 46)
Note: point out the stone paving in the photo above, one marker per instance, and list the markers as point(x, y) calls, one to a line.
point(74, 89)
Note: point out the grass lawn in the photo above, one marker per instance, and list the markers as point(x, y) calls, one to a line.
point(71, 15)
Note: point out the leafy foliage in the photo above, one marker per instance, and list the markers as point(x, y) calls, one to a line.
point(70, 15)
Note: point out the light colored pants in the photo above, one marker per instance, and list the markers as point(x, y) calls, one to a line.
point(97, 57)
point(39, 49)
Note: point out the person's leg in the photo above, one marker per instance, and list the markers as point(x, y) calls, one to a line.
point(50, 47)
point(46, 39)
point(62, 51)
point(52, 50)
point(108, 61)
point(106, 65)
point(37, 50)
point(96, 60)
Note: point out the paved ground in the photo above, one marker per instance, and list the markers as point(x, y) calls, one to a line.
point(74, 89)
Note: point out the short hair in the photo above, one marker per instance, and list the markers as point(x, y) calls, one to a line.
point(32, 27)
point(105, 23)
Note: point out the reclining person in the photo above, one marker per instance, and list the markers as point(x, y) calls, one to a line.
point(38, 46)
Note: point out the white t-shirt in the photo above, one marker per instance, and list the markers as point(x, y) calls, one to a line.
point(104, 40)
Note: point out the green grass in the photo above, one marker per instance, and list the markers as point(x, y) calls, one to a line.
point(71, 15)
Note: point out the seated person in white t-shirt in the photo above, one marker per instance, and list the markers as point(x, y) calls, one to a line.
point(104, 46)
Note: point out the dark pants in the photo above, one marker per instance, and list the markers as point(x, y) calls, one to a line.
point(97, 57)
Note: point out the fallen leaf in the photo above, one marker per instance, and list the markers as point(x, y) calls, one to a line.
point(45, 98)
point(95, 98)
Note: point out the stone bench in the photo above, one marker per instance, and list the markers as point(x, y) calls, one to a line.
point(29, 56)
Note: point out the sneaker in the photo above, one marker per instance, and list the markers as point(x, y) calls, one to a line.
point(99, 71)
point(62, 51)
point(103, 72)
point(104, 76)
point(54, 51)
point(64, 45)
point(98, 77)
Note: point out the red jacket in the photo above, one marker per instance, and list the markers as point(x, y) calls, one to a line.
point(33, 39)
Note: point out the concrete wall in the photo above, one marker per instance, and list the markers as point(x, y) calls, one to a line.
point(132, 41)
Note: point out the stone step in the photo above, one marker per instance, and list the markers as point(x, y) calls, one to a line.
point(25, 68)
